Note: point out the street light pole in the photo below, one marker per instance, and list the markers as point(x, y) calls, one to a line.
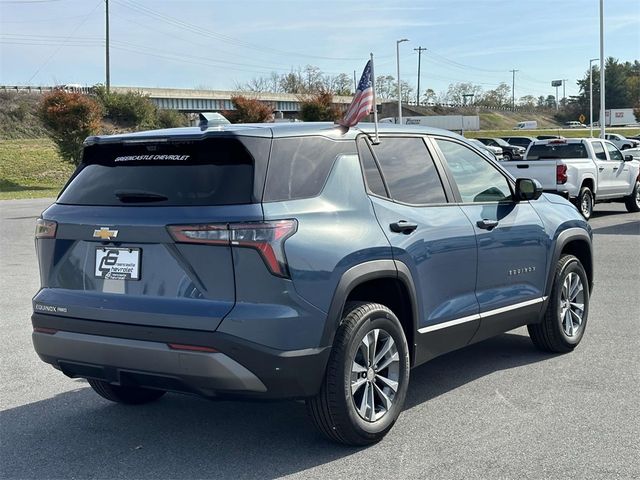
point(602, 106)
point(398, 42)
point(591, 95)
point(107, 72)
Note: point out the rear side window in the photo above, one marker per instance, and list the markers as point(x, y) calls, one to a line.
point(409, 171)
point(201, 172)
point(299, 166)
point(371, 171)
point(557, 150)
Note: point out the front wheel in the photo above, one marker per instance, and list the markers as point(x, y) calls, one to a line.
point(632, 202)
point(507, 156)
point(367, 377)
point(565, 319)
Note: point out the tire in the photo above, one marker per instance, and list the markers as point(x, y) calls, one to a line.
point(632, 202)
point(554, 334)
point(507, 156)
point(346, 417)
point(584, 202)
point(126, 395)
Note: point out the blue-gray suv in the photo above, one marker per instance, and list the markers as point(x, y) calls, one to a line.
point(302, 261)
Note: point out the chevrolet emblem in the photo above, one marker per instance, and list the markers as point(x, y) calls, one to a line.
point(105, 234)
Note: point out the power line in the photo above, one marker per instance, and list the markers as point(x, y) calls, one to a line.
point(50, 57)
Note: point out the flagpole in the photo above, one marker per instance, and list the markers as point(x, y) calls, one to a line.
point(375, 105)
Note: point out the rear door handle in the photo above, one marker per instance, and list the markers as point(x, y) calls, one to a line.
point(522, 166)
point(402, 226)
point(615, 168)
point(487, 224)
point(600, 168)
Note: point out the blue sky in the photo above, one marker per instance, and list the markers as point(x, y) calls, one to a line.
point(215, 44)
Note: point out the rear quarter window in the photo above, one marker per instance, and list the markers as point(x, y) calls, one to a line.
point(299, 166)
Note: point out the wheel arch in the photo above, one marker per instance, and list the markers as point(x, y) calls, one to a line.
point(387, 282)
point(576, 242)
point(589, 181)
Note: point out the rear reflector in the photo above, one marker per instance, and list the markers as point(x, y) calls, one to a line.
point(50, 331)
point(45, 228)
point(191, 348)
point(265, 237)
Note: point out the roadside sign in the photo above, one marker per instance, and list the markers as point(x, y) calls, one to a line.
point(582, 118)
point(556, 83)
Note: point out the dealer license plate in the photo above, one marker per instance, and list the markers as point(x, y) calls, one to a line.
point(118, 263)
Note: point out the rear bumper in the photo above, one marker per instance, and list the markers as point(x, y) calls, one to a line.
point(139, 355)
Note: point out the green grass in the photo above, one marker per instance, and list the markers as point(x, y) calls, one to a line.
point(31, 168)
point(569, 133)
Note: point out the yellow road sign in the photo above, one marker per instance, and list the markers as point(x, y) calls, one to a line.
point(582, 118)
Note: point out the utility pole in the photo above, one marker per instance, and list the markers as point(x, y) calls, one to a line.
point(513, 90)
point(419, 50)
point(564, 91)
point(398, 42)
point(108, 73)
point(355, 83)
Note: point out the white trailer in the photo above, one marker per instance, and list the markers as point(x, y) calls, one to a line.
point(456, 123)
point(619, 117)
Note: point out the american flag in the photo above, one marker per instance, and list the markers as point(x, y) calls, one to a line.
point(362, 103)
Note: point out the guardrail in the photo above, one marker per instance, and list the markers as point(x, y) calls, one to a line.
point(44, 89)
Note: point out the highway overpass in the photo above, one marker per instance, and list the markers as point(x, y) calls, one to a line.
point(187, 100)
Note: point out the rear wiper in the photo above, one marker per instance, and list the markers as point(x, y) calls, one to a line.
point(139, 196)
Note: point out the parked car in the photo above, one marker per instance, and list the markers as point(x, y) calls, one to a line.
point(519, 141)
point(621, 141)
point(493, 152)
point(510, 152)
point(549, 137)
point(298, 261)
point(585, 170)
point(634, 152)
point(574, 124)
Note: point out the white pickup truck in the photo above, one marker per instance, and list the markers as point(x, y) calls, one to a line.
point(584, 170)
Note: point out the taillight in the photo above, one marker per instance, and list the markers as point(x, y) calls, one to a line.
point(561, 174)
point(45, 228)
point(266, 237)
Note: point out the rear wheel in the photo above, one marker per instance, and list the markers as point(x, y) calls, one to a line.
point(632, 202)
point(507, 156)
point(565, 319)
point(126, 395)
point(367, 377)
point(584, 202)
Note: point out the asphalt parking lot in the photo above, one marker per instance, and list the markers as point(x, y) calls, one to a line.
point(498, 409)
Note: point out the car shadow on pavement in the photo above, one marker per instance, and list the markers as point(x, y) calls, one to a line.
point(76, 434)
point(629, 228)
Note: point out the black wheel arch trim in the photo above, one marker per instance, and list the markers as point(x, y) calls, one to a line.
point(563, 239)
point(359, 274)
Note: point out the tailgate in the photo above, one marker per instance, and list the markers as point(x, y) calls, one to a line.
point(543, 171)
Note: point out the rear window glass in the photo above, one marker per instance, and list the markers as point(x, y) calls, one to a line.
point(299, 166)
point(201, 172)
point(557, 150)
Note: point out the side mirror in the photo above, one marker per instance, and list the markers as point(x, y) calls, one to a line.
point(628, 158)
point(528, 189)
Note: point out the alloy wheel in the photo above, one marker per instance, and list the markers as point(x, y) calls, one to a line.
point(375, 375)
point(572, 304)
point(585, 205)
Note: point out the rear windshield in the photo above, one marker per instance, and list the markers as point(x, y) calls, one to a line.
point(201, 172)
point(557, 150)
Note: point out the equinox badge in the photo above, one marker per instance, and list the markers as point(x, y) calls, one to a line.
point(105, 234)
